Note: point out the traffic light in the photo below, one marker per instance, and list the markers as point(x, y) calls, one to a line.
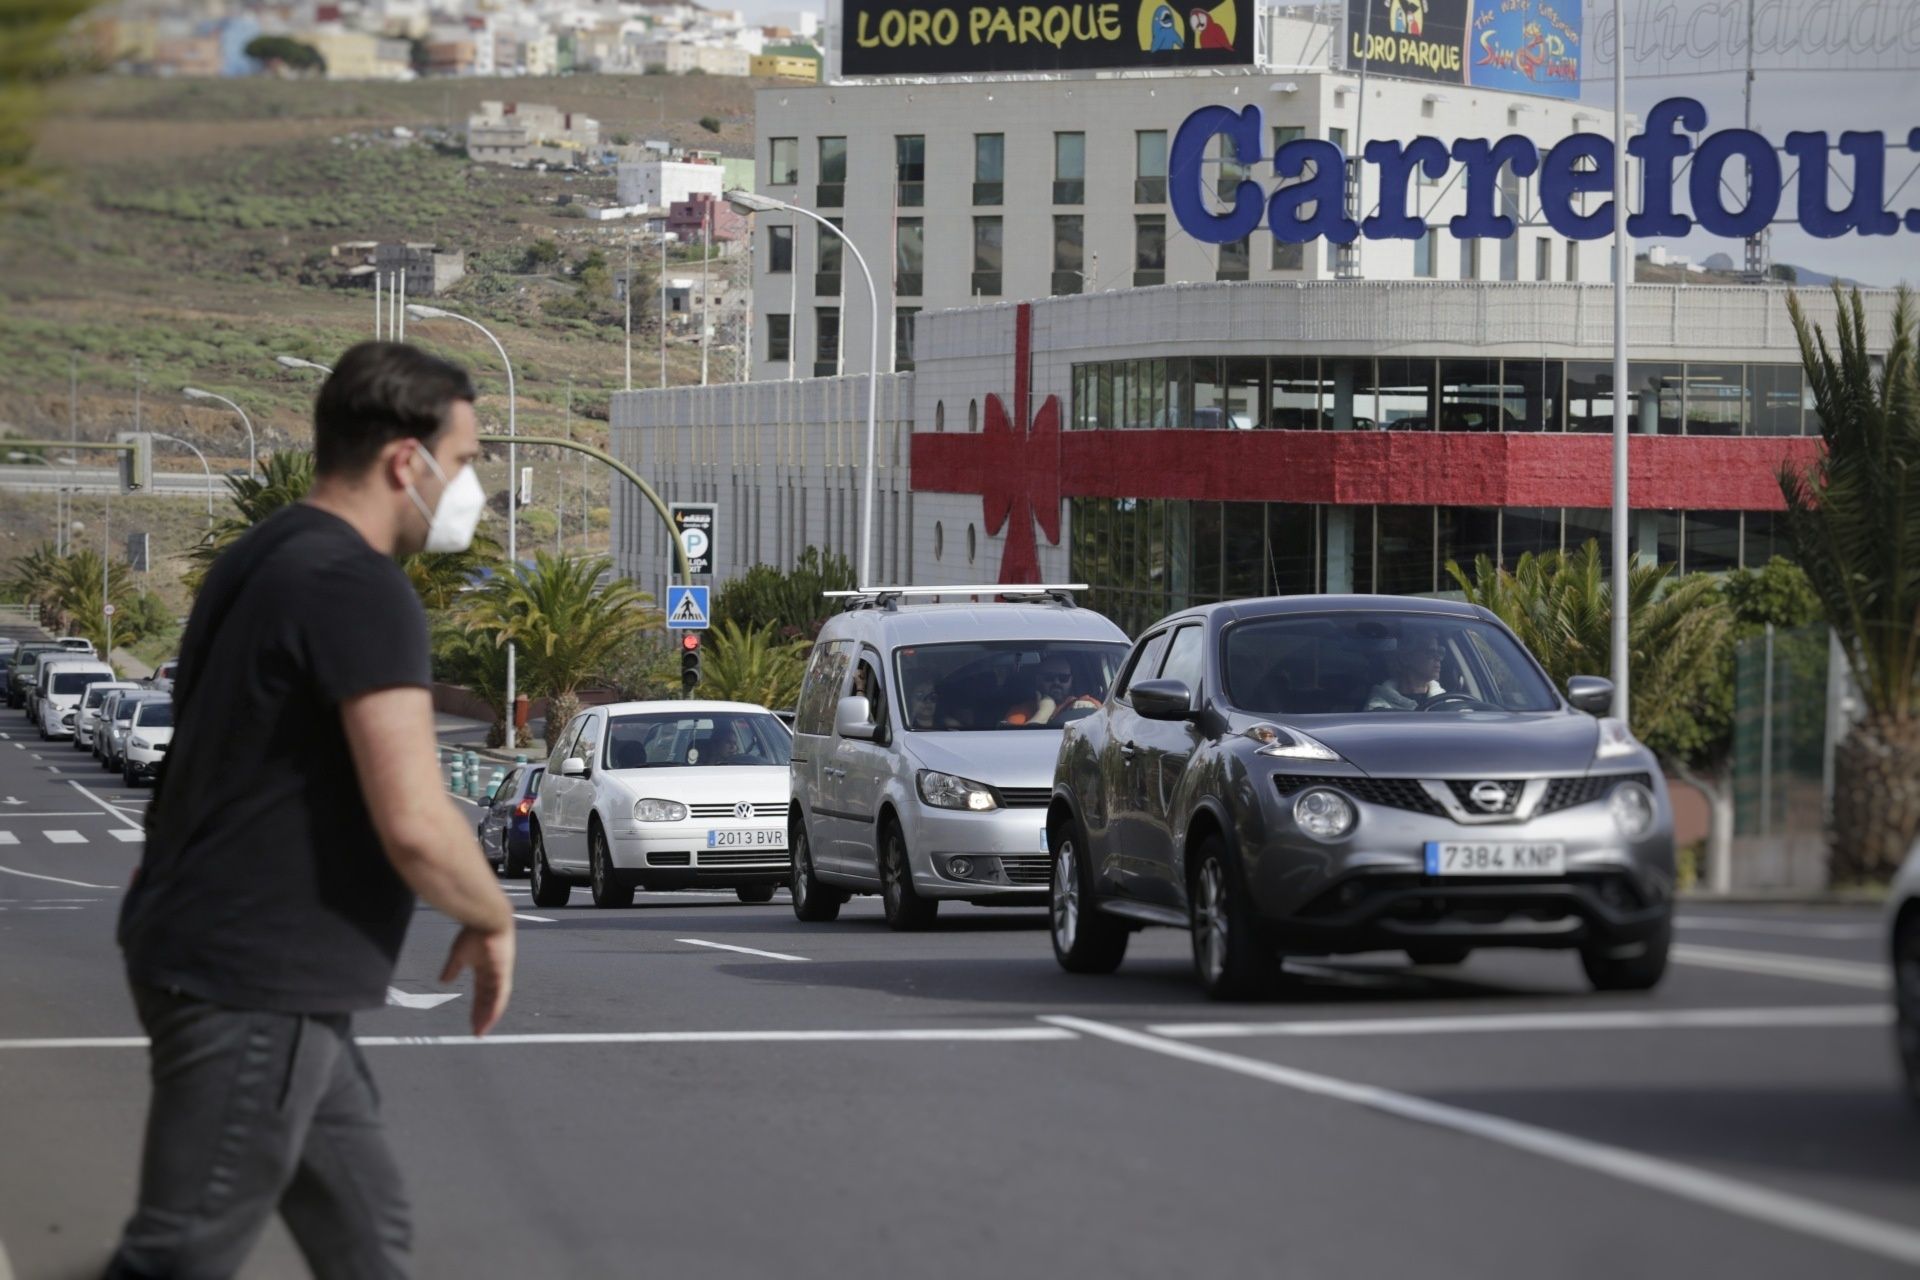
point(136, 464)
point(689, 661)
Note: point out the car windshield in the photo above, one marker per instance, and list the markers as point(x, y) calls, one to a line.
point(73, 681)
point(156, 714)
point(124, 711)
point(96, 694)
point(1004, 684)
point(666, 739)
point(1340, 663)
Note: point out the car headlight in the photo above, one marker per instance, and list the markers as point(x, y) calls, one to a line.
point(653, 810)
point(1323, 814)
point(1616, 740)
point(1290, 744)
point(945, 791)
point(141, 744)
point(1632, 808)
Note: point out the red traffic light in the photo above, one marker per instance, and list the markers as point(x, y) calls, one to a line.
point(690, 641)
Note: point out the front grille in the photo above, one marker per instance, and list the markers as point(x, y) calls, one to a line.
point(1025, 797)
point(1026, 868)
point(1463, 792)
point(1565, 793)
point(716, 811)
point(743, 857)
point(681, 859)
point(1392, 793)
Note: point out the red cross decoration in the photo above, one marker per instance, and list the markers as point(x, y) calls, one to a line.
point(1020, 472)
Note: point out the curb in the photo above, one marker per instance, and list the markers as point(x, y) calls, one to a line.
point(1786, 898)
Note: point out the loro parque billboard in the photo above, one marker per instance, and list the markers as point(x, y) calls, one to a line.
point(1517, 46)
point(965, 37)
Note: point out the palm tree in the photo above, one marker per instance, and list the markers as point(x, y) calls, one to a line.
point(30, 577)
point(439, 577)
point(285, 479)
point(752, 666)
point(76, 598)
point(1854, 517)
point(566, 626)
point(472, 660)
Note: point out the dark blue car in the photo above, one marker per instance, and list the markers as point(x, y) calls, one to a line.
point(504, 832)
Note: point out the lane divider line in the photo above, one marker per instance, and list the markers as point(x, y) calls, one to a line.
point(1845, 973)
point(113, 811)
point(1730, 1195)
point(1027, 1034)
point(745, 951)
point(536, 919)
point(1865, 1015)
point(78, 884)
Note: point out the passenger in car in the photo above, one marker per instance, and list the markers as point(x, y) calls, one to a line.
point(1415, 670)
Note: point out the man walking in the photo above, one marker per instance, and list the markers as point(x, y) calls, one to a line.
point(299, 812)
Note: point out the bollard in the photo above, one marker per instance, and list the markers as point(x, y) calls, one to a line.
point(455, 782)
point(520, 758)
point(493, 783)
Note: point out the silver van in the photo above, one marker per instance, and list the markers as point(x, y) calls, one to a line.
point(924, 746)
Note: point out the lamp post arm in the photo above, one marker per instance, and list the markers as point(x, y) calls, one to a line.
point(253, 455)
point(600, 455)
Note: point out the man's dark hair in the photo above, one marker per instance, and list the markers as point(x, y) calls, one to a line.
point(380, 392)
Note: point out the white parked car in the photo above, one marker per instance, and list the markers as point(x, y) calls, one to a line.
point(164, 675)
point(1904, 934)
point(149, 734)
point(61, 684)
point(116, 718)
point(87, 716)
point(663, 795)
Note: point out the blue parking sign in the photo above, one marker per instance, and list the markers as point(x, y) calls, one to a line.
point(687, 608)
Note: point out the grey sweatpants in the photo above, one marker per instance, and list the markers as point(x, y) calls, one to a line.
point(252, 1113)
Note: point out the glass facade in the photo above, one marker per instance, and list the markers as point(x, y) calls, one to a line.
point(1394, 393)
point(1145, 558)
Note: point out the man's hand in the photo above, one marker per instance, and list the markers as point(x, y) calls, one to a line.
point(490, 956)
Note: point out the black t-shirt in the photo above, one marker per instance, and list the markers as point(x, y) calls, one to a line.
point(264, 885)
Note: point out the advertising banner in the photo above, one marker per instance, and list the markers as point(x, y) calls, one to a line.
point(952, 37)
point(1526, 46)
point(1411, 39)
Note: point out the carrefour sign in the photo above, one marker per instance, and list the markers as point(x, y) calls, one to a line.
point(1312, 203)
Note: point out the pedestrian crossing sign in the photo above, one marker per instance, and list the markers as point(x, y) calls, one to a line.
point(687, 608)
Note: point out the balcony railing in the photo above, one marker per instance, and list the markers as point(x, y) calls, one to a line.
point(1069, 191)
point(911, 195)
point(1149, 190)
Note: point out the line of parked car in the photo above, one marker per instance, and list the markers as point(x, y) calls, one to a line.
point(69, 693)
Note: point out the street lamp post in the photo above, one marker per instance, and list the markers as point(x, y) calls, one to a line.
point(754, 202)
point(253, 456)
point(295, 362)
point(1622, 279)
point(420, 311)
point(203, 466)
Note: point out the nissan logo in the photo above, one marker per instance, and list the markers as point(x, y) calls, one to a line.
point(743, 811)
point(1490, 797)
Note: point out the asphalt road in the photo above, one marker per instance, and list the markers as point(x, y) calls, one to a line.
point(699, 1088)
point(34, 478)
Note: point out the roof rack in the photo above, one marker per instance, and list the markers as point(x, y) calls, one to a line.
point(890, 597)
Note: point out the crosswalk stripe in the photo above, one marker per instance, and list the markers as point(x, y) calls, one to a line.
point(125, 836)
point(7, 837)
point(66, 837)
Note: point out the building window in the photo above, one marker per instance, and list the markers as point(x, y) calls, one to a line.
point(1150, 166)
point(903, 318)
point(783, 161)
point(1543, 259)
point(779, 337)
point(1232, 171)
point(828, 249)
point(1149, 249)
point(910, 169)
point(989, 167)
point(779, 250)
point(1573, 260)
point(1069, 248)
point(1426, 253)
point(1235, 259)
point(909, 257)
point(832, 192)
point(1069, 168)
point(1510, 208)
point(826, 342)
point(1338, 137)
point(1289, 257)
point(986, 257)
point(1716, 398)
point(1469, 259)
point(1774, 391)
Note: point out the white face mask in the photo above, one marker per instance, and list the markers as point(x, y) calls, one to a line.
point(450, 525)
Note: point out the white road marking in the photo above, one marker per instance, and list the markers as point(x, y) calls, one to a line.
point(1781, 928)
point(927, 1035)
point(1730, 1195)
point(745, 951)
point(66, 837)
point(113, 811)
point(7, 837)
point(39, 908)
point(1868, 1015)
point(70, 813)
point(127, 837)
point(429, 1000)
point(1845, 973)
point(78, 884)
point(536, 919)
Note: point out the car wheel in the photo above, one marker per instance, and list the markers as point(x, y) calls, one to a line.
point(128, 776)
point(1906, 999)
point(754, 893)
point(1639, 970)
point(1085, 938)
point(1438, 953)
point(549, 890)
point(608, 891)
point(1229, 955)
point(813, 902)
point(907, 911)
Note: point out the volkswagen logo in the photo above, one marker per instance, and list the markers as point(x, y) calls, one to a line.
point(743, 811)
point(1489, 797)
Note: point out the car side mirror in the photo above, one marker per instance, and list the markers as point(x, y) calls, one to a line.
point(1591, 694)
point(573, 767)
point(1163, 700)
point(853, 718)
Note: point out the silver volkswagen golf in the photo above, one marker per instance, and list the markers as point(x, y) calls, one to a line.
point(1319, 775)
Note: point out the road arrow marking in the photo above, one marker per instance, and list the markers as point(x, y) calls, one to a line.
point(407, 1000)
point(11, 800)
